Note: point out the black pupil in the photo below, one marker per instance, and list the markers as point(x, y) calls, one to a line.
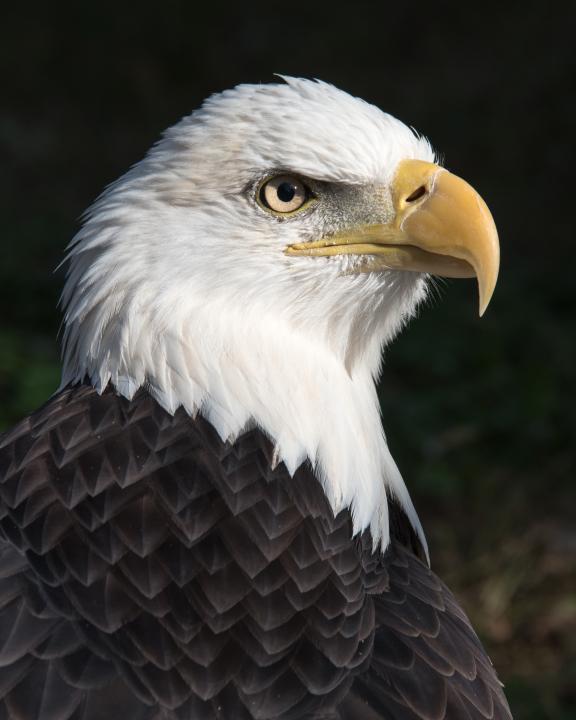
point(286, 192)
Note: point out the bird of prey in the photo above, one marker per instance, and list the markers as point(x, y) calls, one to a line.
point(205, 521)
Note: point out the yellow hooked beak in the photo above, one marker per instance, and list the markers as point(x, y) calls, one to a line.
point(441, 226)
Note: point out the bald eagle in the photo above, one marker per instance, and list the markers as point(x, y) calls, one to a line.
point(205, 520)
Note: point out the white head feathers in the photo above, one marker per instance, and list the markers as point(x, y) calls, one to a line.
point(178, 282)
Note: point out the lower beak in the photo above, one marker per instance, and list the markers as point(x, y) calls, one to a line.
point(441, 226)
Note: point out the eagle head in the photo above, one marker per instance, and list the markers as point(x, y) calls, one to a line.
point(253, 265)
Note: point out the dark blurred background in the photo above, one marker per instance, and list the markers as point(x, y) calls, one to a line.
point(479, 414)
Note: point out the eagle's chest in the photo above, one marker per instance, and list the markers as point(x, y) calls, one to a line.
point(205, 576)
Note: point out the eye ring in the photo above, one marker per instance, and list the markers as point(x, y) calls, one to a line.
point(283, 194)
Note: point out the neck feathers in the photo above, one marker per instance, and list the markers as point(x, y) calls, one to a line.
point(313, 394)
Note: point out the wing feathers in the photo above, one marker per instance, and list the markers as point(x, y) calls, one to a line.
point(428, 663)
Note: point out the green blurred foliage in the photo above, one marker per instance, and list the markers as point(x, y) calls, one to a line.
point(479, 414)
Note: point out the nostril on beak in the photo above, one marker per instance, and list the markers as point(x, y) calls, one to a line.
point(417, 194)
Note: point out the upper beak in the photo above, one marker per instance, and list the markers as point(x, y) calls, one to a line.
point(441, 226)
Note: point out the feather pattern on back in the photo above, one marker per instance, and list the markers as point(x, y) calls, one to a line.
point(151, 571)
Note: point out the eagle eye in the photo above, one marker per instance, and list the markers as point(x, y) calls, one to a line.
point(283, 194)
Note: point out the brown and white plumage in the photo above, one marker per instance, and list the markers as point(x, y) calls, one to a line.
point(205, 521)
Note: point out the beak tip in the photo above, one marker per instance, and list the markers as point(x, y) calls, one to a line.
point(484, 299)
point(487, 277)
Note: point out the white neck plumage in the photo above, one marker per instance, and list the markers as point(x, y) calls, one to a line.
point(309, 384)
